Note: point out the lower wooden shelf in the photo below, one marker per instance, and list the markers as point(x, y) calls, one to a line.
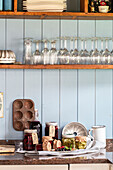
point(55, 66)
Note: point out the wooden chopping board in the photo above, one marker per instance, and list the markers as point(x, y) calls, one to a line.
point(7, 148)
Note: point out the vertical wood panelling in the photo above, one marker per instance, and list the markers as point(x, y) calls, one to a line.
point(68, 81)
point(104, 99)
point(68, 105)
point(50, 79)
point(2, 78)
point(104, 84)
point(33, 30)
point(14, 90)
point(86, 81)
point(32, 78)
point(14, 78)
point(68, 28)
point(86, 97)
point(32, 88)
point(59, 95)
point(15, 37)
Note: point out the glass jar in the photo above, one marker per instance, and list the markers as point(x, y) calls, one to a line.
point(28, 139)
point(69, 141)
point(51, 129)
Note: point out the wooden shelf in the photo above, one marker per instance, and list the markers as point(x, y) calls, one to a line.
point(57, 15)
point(56, 66)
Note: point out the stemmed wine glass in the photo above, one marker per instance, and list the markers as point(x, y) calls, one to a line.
point(106, 55)
point(81, 53)
point(112, 52)
point(92, 46)
point(71, 58)
point(96, 56)
point(75, 55)
point(37, 55)
point(86, 53)
point(45, 53)
point(28, 54)
point(102, 45)
point(53, 53)
point(60, 52)
point(65, 55)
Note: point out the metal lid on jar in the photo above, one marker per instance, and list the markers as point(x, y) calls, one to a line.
point(51, 123)
point(68, 136)
point(30, 131)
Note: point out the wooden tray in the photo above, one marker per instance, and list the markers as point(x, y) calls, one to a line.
point(23, 114)
point(7, 148)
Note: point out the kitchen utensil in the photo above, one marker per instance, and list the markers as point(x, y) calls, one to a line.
point(18, 145)
point(7, 57)
point(7, 148)
point(23, 114)
point(74, 127)
point(98, 133)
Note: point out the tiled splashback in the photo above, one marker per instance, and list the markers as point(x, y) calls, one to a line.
point(60, 95)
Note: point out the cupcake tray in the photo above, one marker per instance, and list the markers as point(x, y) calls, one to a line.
point(23, 114)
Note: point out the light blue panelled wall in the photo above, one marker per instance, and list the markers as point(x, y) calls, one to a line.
point(64, 96)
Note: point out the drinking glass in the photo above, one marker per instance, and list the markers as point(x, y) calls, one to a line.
point(106, 55)
point(96, 56)
point(65, 55)
point(28, 54)
point(92, 46)
point(61, 51)
point(53, 53)
point(45, 53)
point(71, 58)
point(75, 55)
point(86, 53)
point(37, 56)
point(102, 45)
point(112, 52)
point(81, 53)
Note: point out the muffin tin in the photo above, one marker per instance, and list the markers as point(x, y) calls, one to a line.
point(23, 114)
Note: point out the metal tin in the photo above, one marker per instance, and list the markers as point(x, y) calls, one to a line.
point(74, 128)
point(7, 5)
point(1, 5)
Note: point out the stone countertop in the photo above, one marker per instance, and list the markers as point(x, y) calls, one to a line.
point(105, 156)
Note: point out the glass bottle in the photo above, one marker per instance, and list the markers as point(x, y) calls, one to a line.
point(96, 5)
point(7, 5)
point(92, 7)
point(37, 125)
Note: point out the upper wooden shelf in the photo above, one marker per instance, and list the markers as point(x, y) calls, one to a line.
point(56, 66)
point(57, 15)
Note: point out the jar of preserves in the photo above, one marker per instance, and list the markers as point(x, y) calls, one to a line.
point(69, 141)
point(30, 139)
point(51, 129)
